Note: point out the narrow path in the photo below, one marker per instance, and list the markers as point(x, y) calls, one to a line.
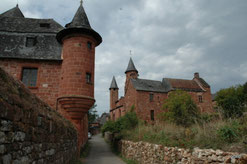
point(100, 152)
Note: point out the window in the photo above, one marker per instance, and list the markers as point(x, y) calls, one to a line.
point(30, 42)
point(29, 76)
point(89, 45)
point(200, 99)
point(88, 78)
point(152, 115)
point(45, 25)
point(151, 97)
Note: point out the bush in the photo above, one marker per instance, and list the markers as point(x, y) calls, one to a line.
point(229, 133)
point(232, 101)
point(180, 109)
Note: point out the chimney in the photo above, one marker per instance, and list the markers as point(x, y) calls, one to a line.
point(196, 75)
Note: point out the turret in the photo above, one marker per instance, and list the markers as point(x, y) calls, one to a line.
point(131, 73)
point(113, 93)
point(76, 90)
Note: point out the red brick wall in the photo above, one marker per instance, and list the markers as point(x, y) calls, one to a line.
point(144, 105)
point(113, 98)
point(47, 80)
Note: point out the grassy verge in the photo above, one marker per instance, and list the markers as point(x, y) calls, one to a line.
point(228, 135)
point(84, 153)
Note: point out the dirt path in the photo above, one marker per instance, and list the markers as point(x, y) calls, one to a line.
point(100, 152)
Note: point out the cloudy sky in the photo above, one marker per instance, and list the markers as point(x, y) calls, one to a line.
point(168, 38)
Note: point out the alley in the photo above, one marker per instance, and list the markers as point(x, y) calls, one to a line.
point(100, 152)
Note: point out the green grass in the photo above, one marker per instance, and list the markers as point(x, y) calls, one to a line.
point(228, 135)
point(129, 161)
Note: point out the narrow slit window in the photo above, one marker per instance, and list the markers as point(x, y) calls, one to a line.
point(88, 78)
point(152, 115)
point(44, 25)
point(151, 97)
point(29, 76)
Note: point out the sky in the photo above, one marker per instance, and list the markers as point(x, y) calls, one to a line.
point(167, 38)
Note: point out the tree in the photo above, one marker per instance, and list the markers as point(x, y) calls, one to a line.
point(180, 109)
point(232, 100)
point(92, 114)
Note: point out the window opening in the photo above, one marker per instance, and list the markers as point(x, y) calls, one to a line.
point(88, 78)
point(29, 76)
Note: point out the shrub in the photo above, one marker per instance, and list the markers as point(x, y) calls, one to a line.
point(180, 109)
point(232, 101)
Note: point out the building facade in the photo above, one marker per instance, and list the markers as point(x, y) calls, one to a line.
point(55, 63)
point(146, 97)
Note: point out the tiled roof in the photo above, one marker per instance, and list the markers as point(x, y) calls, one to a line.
point(189, 85)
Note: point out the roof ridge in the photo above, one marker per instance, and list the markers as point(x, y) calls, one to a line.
point(14, 12)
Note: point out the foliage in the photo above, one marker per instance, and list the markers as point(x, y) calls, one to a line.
point(232, 101)
point(92, 114)
point(180, 109)
point(128, 121)
point(228, 135)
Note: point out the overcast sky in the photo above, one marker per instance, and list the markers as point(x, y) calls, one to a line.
point(168, 38)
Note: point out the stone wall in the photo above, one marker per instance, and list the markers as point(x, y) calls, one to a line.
point(30, 131)
point(146, 153)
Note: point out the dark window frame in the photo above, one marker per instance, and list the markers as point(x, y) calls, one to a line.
point(152, 115)
point(31, 76)
point(88, 78)
point(200, 99)
point(151, 97)
point(89, 45)
point(45, 25)
point(31, 41)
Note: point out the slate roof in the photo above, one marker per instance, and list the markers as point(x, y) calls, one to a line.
point(131, 66)
point(16, 29)
point(14, 12)
point(166, 85)
point(150, 85)
point(204, 83)
point(113, 83)
point(188, 85)
point(81, 25)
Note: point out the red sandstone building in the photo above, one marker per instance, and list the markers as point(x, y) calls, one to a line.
point(55, 63)
point(146, 97)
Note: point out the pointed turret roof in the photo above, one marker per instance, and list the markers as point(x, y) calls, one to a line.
point(131, 66)
point(14, 12)
point(80, 19)
point(79, 25)
point(113, 83)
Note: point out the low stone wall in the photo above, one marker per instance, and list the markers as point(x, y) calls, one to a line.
point(30, 131)
point(146, 153)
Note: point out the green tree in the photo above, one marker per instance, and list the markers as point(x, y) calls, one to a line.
point(92, 114)
point(232, 101)
point(180, 109)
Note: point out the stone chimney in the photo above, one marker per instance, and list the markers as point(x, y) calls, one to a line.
point(196, 75)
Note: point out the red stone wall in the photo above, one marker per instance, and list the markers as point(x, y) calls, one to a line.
point(47, 80)
point(113, 98)
point(78, 60)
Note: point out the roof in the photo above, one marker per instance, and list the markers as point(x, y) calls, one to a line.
point(81, 25)
point(29, 25)
point(150, 85)
point(131, 66)
point(188, 85)
point(113, 83)
point(15, 30)
point(80, 19)
point(204, 83)
point(14, 12)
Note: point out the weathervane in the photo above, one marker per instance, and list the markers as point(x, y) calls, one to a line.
point(81, 2)
point(130, 53)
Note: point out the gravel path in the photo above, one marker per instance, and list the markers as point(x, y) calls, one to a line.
point(100, 152)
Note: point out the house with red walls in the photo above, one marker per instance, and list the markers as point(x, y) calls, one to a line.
point(146, 97)
point(56, 63)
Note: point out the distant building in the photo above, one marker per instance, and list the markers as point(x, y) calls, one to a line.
point(146, 97)
point(55, 63)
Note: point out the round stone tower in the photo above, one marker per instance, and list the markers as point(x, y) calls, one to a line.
point(76, 86)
